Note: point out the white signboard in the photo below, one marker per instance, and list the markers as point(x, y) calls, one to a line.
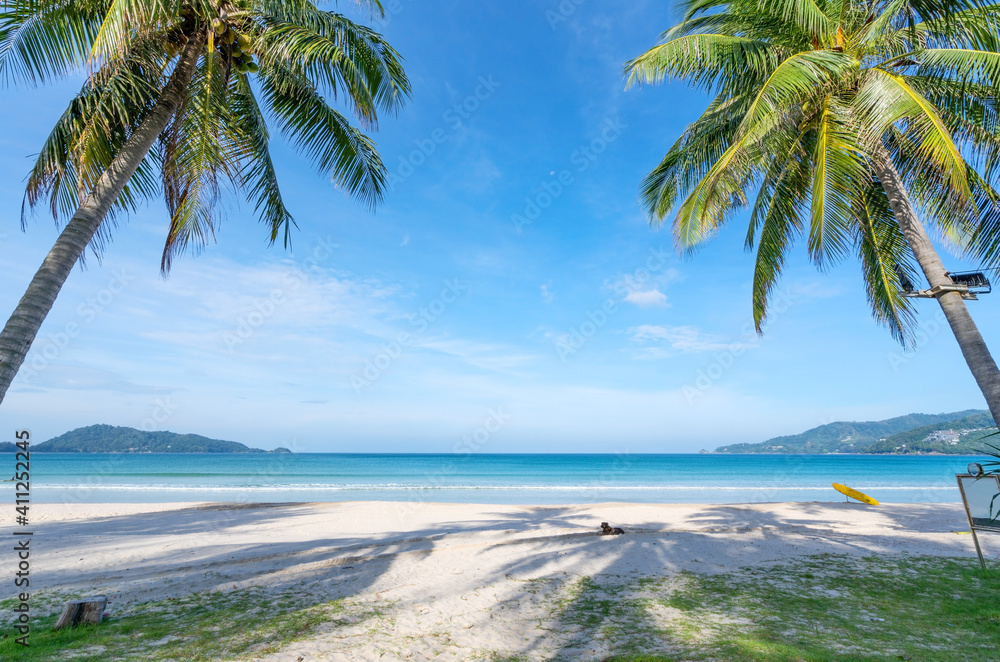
point(981, 495)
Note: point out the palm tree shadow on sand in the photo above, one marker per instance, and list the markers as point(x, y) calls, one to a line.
point(618, 607)
point(542, 573)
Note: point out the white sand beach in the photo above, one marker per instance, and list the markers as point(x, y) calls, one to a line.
point(449, 580)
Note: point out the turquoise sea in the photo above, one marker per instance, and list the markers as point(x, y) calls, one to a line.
point(481, 478)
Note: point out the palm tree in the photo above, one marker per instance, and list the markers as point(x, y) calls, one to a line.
point(851, 121)
point(169, 107)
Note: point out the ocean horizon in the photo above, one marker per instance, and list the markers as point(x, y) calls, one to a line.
point(522, 478)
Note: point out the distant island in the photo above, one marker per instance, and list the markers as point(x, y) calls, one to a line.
point(958, 433)
point(111, 439)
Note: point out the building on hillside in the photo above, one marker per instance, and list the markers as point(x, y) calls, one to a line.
point(944, 436)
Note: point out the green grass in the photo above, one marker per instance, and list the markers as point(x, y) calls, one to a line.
point(824, 609)
point(821, 609)
point(201, 627)
point(605, 612)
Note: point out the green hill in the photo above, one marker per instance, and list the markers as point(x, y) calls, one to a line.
point(875, 436)
point(111, 439)
point(962, 437)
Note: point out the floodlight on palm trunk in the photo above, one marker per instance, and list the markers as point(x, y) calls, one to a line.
point(853, 124)
point(970, 284)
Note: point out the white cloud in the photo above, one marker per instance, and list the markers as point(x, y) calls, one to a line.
point(654, 353)
point(547, 296)
point(491, 357)
point(686, 339)
point(61, 376)
point(644, 287)
point(809, 291)
point(647, 299)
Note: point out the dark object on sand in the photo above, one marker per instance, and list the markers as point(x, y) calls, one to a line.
point(88, 610)
point(608, 531)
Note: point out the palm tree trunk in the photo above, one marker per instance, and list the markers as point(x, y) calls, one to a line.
point(974, 349)
point(27, 318)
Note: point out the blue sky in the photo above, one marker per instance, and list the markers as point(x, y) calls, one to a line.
point(508, 296)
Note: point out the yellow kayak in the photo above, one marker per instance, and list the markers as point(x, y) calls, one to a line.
point(854, 494)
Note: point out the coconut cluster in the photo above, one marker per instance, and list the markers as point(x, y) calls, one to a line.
point(238, 44)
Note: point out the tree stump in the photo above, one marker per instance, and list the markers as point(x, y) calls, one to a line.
point(86, 610)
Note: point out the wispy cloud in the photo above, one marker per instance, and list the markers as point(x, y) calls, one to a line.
point(84, 378)
point(648, 299)
point(547, 295)
point(683, 339)
point(492, 357)
point(645, 287)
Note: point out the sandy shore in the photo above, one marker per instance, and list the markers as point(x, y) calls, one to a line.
point(475, 576)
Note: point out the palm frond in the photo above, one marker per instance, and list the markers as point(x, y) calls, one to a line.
point(966, 64)
point(971, 112)
point(127, 19)
point(838, 167)
point(778, 213)
point(249, 133)
point(797, 80)
point(691, 157)
point(340, 57)
point(705, 60)
point(886, 99)
point(86, 139)
point(712, 199)
point(882, 23)
point(953, 214)
point(962, 23)
point(807, 14)
point(885, 259)
point(985, 241)
point(325, 136)
point(198, 156)
point(42, 40)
